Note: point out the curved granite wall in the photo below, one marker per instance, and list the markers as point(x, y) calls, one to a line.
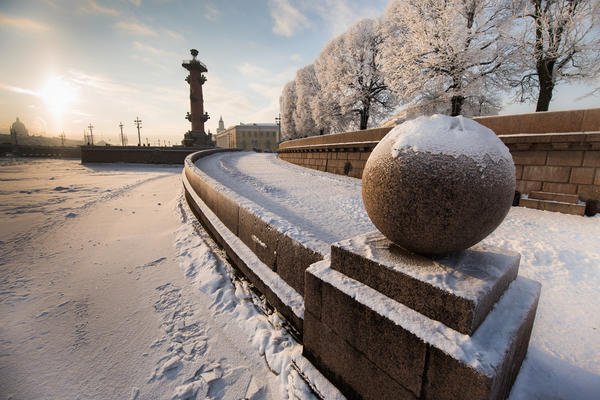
point(556, 152)
point(272, 257)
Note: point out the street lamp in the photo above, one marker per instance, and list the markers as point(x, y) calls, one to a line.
point(122, 137)
point(91, 134)
point(138, 124)
point(278, 122)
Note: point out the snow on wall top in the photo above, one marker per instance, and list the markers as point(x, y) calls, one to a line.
point(453, 136)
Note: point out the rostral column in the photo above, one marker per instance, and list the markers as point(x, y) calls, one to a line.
point(197, 136)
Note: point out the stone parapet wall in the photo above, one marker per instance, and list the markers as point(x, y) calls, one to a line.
point(367, 135)
point(134, 154)
point(282, 257)
point(544, 122)
point(557, 163)
point(40, 151)
point(370, 345)
point(337, 158)
point(556, 152)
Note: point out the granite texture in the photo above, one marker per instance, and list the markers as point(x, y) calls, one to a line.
point(370, 346)
point(458, 289)
point(435, 203)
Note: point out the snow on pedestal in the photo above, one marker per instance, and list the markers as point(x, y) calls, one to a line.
point(383, 322)
point(438, 184)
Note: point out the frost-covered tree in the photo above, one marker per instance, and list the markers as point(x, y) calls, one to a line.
point(287, 104)
point(560, 41)
point(326, 108)
point(473, 106)
point(307, 89)
point(350, 72)
point(453, 51)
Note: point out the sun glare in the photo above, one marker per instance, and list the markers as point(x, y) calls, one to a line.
point(58, 95)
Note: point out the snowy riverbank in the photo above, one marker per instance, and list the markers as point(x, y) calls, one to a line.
point(560, 251)
point(110, 289)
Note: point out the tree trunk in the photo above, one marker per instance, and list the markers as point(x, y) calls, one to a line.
point(364, 119)
point(546, 82)
point(457, 103)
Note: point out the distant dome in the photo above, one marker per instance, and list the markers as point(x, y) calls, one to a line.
point(19, 128)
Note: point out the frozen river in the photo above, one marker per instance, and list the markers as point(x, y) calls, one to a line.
point(109, 290)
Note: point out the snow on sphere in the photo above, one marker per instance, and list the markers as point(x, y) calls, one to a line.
point(438, 184)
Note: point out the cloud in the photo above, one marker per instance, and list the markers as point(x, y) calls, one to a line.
point(251, 70)
point(173, 34)
point(22, 23)
point(92, 7)
point(17, 89)
point(296, 57)
point(136, 28)
point(338, 15)
point(136, 3)
point(211, 12)
point(266, 90)
point(146, 48)
point(100, 83)
point(287, 18)
point(80, 113)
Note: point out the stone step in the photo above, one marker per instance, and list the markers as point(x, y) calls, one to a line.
point(458, 290)
point(560, 197)
point(372, 347)
point(556, 206)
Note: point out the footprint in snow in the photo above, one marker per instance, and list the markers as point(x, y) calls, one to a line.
point(193, 390)
point(153, 263)
point(171, 366)
point(135, 392)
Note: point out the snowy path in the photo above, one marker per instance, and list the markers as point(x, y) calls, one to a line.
point(316, 202)
point(94, 304)
point(560, 251)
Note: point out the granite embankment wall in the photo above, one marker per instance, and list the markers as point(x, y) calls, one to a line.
point(272, 257)
point(556, 152)
point(339, 320)
point(40, 151)
point(134, 154)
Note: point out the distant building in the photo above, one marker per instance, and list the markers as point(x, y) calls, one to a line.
point(18, 130)
point(261, 137)
point(221, 127)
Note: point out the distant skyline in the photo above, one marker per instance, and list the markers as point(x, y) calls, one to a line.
point(67, 63)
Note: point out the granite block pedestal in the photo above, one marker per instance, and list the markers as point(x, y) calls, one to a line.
point(384, 323)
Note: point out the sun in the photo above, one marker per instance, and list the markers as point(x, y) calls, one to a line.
point(58, 95)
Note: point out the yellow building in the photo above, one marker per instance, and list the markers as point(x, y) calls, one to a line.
point(261, 137)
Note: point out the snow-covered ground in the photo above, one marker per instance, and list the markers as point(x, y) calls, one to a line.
point(560, 251)
point(109, 289)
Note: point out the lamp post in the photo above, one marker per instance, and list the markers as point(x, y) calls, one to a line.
point(138, 124)
point(278, 122)
point(91, 127)
point(122, 137)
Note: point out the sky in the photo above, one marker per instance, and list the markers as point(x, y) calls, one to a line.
point(67, 64)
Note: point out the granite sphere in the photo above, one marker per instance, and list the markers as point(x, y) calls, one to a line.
point(438, 184)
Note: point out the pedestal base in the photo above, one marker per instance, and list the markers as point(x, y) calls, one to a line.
point(374, 347)
point(458, 289)
point(196, 138)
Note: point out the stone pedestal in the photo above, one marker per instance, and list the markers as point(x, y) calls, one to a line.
point(196, 138)
point(381, 322)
